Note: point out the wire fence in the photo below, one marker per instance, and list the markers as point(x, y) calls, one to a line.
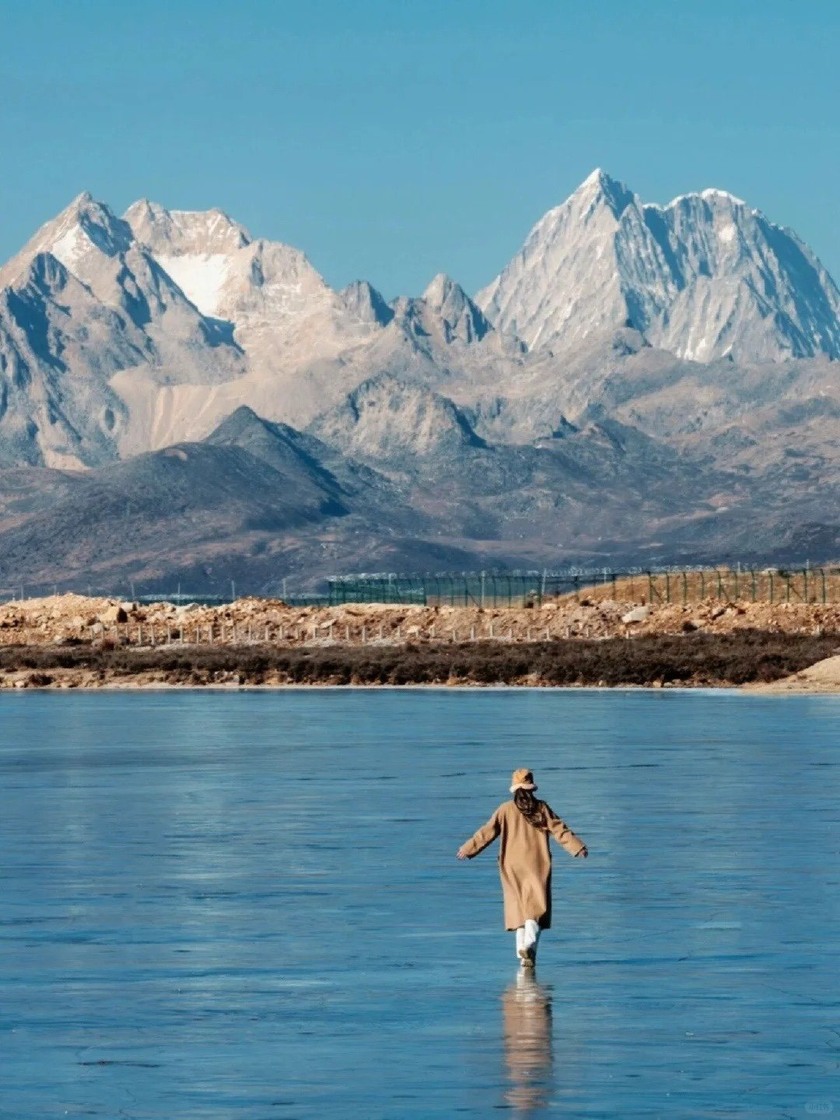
point(517, 589)
point(532, 588)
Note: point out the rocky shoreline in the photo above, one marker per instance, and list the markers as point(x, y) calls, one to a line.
point(747, 657)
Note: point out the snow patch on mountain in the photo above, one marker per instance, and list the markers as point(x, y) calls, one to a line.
point(196, 247)
point(200, 276)
point(83, 231)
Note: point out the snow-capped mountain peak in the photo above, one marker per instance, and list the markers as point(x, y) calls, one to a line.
point(84, 227)
point(185, 231)
point(85, 224)
point(150, 328)
point(599, 188)
point(703, 277)
point(563, 284)
point(716, 192)
point(196, 248)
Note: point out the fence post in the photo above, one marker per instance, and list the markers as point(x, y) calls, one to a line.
point(667, 587)
point(752, 574)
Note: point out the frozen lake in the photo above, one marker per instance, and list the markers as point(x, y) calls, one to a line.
point(246, 906)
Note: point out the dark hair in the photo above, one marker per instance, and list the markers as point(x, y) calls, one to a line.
point(531, 809)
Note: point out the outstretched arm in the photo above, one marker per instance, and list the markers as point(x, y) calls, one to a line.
point(564, 835)
point(481, 839)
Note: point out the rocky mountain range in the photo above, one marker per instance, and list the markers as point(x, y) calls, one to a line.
point(642, 383)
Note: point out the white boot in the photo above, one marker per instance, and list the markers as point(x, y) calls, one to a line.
point(520, 941)
point(530, 939)
point(526, 945)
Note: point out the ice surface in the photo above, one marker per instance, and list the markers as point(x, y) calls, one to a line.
point(237, 906)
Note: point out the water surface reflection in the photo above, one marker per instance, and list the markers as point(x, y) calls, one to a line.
point(529, 1056)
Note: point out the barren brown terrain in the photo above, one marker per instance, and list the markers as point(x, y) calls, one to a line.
point(608, 636)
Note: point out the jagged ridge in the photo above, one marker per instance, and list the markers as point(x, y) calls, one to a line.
point(704, 277)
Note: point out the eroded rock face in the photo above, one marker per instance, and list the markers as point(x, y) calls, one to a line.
point(119, 335)
point(704, 277)
point(677, 360)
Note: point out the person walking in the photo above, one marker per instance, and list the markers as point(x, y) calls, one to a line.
point(524, 826)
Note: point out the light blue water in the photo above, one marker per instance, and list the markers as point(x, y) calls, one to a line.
point(247, 906)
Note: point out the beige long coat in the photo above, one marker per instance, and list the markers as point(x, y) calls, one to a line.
point(524, 860)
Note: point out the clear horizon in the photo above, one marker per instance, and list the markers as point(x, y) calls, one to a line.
point(390, 143)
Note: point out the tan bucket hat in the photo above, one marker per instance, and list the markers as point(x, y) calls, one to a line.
point(522, 779)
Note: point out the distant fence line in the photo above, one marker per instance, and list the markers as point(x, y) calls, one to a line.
point(767, 585)
point(510, 589)
point(518, 589)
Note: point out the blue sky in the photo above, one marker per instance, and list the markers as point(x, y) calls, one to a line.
point(391, 140)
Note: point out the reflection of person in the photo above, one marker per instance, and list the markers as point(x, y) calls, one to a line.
point(524, 825)
point(526, 1007)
